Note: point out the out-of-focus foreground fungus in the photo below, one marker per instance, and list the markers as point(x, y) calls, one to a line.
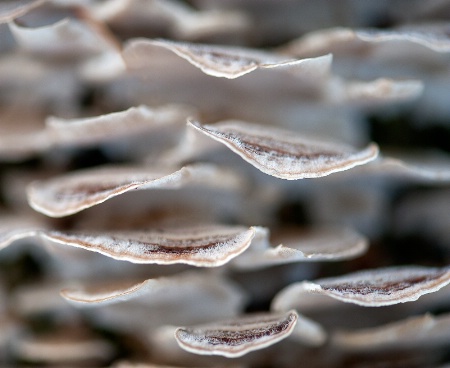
point(224, 183)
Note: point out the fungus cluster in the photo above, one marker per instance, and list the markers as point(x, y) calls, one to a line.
point(224, 183)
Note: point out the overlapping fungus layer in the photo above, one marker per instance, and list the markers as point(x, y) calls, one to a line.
point(224, 184)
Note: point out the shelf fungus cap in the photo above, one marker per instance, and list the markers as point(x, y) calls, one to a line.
point(117, 125)
point(350, 41)
point(237, 337)
point(421, 166)
point(414, 332)
point(19, 226)
point(14, 9)
point(66, 348)
point(434, 38)
point(203, 246)
point(178, 289)
point(284, 154)
point(68, 37)
point(218, 61)
point(372, 288)
point(74, 192)
point(311, 245)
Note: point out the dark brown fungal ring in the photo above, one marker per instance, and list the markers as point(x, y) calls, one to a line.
point(235, 338)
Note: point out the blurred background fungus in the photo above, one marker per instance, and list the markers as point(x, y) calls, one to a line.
point(231, 183)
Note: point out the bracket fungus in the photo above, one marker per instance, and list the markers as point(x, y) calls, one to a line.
point(75, 192)
point(372, 288)
point(418, 332)
point(152, 207)
point(117, 125)
point(201, 246)
point(208, 247)
point(284, 154)
point(311, 245)
point(217, 61)
point(158, 301)
point(10, 10)
point(64, 38)
point(343, 39)
point(182, 286)
point(237, 337)
point(75, 348)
